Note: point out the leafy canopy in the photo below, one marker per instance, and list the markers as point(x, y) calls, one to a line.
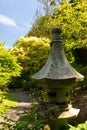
point(31, 52)
point(71, 16)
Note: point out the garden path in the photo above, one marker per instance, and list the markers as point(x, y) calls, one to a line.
point(24, 102)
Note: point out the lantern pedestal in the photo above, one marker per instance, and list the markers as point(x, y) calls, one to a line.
point(57, 115)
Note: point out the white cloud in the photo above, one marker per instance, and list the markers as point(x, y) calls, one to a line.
point(7, 21)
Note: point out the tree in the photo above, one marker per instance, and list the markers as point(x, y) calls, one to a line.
point(72, 17)
point(41, 27)
point(46, 6)
point(8, 67)
point(32, 53)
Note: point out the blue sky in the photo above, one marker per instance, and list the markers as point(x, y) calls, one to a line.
point(16, 18)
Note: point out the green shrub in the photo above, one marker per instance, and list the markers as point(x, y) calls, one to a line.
point(82, 126)
point(8, 67)
point(31, 53)
point(24, 81)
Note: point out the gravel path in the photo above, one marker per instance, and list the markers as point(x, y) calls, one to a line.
point(21, 109)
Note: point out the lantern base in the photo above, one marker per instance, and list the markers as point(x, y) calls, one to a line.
point(55, 123)
point(55, 116)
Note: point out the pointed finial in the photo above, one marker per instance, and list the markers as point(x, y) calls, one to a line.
point(56, 30)
point(56, 35)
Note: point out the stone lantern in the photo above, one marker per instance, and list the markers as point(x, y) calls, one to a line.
point(58, 77)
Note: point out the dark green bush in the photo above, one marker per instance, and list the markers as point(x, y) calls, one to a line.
point(24, 81)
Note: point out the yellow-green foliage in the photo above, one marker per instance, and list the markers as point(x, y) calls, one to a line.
point(8, 101)
point(31, 52)
point(72, 18)
point(8, 67)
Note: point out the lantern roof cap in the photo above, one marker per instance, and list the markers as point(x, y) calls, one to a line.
point(57, 66)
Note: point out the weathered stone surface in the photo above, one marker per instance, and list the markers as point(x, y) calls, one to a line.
point(57, 66)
